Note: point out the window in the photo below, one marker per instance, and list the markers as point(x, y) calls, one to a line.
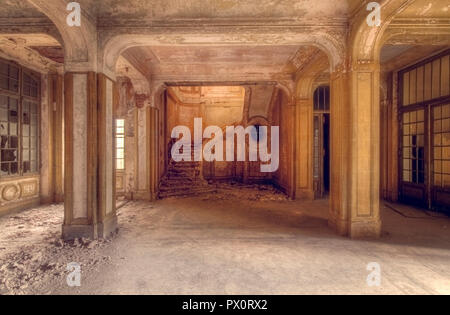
point(426, 81)
point(9, 77)
point(441, 146)
point(19, 120)
point(9, 118)
point(414, 147)
point(322, 98)
point(120, 144)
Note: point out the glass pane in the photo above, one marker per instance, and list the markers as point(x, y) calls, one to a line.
point(120, 164)
point(26, 166)
point(13, 104)
point(33, 142)
point(3, 101)
point(120, 122)
point(3, 114)
point(33, 166)
point(33, 130)
point(4, 169)
point(446, 167)
point(120, 143)
point(14, 142)
point(3, 129)
point(14, 168)
point(120, 153)
point(438, 166)
point(437, 125)
point(26, 118)
point(13, 129)
point(4, 69)
point(26, 155)
point(446, 111)
point(438, 180)
point(14, 85)
point(446, 180)
point(14, 72)
point(437, 153)
point(445, 139)
point(33, 155)
point(406, 118)
point(4, 82)
point(25, 142)
point(406, 130)
point(26, 130)
point(446, 125)
point(120, 130)
point(407, 164)
point(413, 117)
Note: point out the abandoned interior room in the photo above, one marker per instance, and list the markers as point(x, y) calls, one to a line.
point(87, 167)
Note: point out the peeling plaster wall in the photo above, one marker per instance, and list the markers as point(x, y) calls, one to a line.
point(80, 146)
point(46, 193)
point(151, 10)
point(282, 116)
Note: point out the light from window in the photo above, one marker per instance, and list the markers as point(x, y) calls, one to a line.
point(120, 144)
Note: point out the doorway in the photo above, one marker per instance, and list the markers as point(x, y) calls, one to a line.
point(321, 142)
point(425, 134)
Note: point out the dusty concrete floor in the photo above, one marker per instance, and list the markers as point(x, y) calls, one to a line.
point(227, 244)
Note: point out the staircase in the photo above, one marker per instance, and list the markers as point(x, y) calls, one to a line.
point(184, 179)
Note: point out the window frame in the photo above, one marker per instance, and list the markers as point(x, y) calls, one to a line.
point(19, 95)
point(116, 148)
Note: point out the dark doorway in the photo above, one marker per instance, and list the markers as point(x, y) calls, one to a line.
point(321, 141)
point(326, 153)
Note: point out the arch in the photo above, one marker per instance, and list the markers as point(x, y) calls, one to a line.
point(355, 202)
point(304, 125)
point(305, 82)
point(258, 120)
point(156, 93)
point(79, 42)
point(332, 45)
point(366, 41)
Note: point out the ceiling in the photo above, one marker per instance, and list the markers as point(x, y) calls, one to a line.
point(18, 9)
point(195, 9)
point(119, 11)
point(427, 9)
point(165, 61)
point(214, 94)
point(166, 10)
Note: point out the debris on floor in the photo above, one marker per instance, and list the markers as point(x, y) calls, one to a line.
point(251, 192)
point(32, 252)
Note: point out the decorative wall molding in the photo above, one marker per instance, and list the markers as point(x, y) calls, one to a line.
point(18, 189)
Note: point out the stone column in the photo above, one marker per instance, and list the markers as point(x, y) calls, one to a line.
point(365, 150)
point(339, 152)
point(89, 192)
point(107, 218)
point(304, 146)
point(154, 152)
point(143, 154)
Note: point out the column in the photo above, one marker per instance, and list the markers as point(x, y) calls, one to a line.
point(339, 152)
point(304, 137)
point(365, 150)
point(89, 203)
point(107, 218)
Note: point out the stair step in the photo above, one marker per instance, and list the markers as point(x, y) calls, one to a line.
point(191, 192)
point(183, 179)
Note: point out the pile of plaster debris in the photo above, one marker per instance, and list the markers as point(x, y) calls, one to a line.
point(250, 192)
point(32, 254)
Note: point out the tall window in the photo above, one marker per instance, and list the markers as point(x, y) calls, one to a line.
point(321, 141)
point(120, 144)
point(424, 97)
point(322, 98)
point(19, 108)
